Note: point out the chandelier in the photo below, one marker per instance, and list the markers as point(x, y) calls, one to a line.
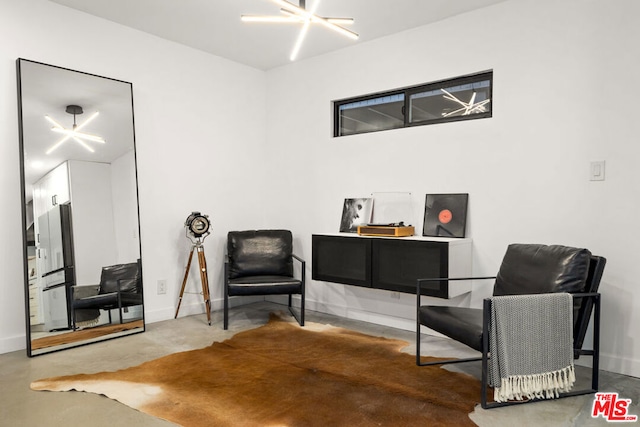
point(74, 133)
point(292, 14)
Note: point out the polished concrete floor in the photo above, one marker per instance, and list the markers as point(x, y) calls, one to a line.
point(20, 406)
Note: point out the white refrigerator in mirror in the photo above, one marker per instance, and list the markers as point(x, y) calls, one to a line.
point(55, 247)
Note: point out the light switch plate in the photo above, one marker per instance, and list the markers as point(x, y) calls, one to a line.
point(596, 173)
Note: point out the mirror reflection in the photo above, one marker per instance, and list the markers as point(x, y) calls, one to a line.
point(82, 245)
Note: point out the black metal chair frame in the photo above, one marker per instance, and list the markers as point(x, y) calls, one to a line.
point(595, 274)
point(299, 317)
point(108, 304)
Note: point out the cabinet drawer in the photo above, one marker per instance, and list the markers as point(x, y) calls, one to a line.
point(398, 264)
point(341, 260)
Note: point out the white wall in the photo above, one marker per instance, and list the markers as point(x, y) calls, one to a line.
point(564, 95)
point(197, 118)
point(91, 204)
point(125, 209)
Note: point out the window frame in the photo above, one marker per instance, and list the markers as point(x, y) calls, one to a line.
point(407, 92)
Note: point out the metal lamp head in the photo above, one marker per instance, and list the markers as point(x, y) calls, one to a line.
point(198, 225)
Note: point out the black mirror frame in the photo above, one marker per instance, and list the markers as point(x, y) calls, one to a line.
point(20, 105)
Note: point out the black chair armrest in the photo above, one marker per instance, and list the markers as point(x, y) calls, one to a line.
point(438, 279)
point(447, 279)
point(585, 294)
point(302, 265)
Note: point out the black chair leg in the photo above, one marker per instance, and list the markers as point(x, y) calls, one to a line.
point(484, 383)
point(595, 365)
point(299, 317)
point(226, 312)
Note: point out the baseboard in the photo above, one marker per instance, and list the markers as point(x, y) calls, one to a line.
point(362, 315)
point(622, 365)
point(189, 308)
point(8, 345)
point(192, 308)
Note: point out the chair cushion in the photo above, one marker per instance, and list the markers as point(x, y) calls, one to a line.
point(97, 301)
point(537, 269)
point(108, 301)
point(260, 253)
point(460, 323)
point(264, 285)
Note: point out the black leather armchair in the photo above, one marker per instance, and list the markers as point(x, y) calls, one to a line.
point(526, 269)
point(120, 287)
point(260, 262)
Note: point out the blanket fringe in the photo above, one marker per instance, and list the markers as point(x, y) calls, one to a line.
point(547, 385)
point(88, 323)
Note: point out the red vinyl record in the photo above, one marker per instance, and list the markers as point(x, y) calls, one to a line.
point(445, 215)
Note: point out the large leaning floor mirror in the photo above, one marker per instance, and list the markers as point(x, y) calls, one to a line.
point(83, 269)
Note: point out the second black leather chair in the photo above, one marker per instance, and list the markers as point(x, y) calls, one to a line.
point(120, 286)
point(526, 269)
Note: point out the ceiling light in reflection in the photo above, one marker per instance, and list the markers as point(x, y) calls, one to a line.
point(74, 133)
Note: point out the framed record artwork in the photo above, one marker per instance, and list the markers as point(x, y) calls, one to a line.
point(355, 212)
point(445, 215)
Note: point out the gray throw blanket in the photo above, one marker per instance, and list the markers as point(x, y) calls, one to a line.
point(86, 317)
point(531, 342)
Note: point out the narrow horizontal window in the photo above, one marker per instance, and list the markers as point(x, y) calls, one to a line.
point(461, 98)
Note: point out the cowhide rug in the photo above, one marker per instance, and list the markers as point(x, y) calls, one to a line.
point(283, 375)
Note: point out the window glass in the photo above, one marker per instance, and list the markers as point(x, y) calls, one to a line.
point(460, 98)
point(451, 101)
point(370, 115)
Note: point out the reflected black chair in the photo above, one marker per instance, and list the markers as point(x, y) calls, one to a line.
point(526, 269)
point(260, 262)
point(120, 287)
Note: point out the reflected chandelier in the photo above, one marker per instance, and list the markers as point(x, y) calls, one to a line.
point(74, 133)
point(299, 15)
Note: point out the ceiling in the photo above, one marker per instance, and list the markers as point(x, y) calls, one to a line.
point(214, 26)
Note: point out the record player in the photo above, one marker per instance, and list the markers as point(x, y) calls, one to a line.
point(386, 230)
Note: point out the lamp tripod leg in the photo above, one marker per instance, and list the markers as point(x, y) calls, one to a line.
point(184, 281)
point(205, 282)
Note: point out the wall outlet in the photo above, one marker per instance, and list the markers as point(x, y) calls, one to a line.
point(395, 295)
point(162, 287)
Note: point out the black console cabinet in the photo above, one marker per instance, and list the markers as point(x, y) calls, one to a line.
point(392, 264)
